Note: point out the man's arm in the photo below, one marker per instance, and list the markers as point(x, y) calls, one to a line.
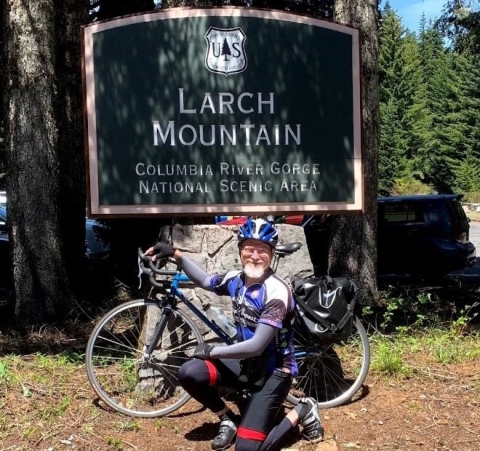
point(197, 275)
point(249, 348)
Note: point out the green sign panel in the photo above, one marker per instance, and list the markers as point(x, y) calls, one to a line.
point(208, 111)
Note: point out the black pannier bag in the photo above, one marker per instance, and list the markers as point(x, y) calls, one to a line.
point(324, 310)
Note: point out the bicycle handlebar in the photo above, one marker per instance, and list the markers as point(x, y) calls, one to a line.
point(151, 265)
point(152, 270)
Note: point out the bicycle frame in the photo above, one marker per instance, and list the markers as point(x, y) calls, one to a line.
point(171, 301)
point(176, 293)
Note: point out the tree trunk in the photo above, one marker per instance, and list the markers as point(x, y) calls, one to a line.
point(44, 154)
point(3, 108)
point(69, 16)
point(353, 247)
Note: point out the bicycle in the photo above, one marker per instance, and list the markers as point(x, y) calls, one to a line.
point(135, 350)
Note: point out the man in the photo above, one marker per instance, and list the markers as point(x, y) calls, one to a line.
point(262, 361)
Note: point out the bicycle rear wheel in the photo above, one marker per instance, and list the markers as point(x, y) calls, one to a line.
point(123, 376)
point(332, 373)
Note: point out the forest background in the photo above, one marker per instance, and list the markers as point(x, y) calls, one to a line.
point(430, 105)
point(424, 86)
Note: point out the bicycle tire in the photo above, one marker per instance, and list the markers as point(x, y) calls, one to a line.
point(332, 373)
point(120, 373)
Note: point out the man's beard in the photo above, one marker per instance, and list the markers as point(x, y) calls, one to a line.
point(254, 272)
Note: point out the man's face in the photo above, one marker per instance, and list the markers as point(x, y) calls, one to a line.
point(255, 257)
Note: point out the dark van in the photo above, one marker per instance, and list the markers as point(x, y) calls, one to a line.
point(423, 235)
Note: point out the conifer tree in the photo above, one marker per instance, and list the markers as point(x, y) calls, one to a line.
point(416, 120)
point(460, 24)
point(402, 105)
point(438, 160)
point(391, 108)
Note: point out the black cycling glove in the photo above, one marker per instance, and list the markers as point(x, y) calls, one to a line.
point(202, 351)
point(163, 250)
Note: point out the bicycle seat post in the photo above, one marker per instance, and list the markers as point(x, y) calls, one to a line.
point(276, 259)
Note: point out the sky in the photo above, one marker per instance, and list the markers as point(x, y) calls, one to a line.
point(411, 11)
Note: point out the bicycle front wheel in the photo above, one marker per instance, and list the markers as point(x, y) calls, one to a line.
point(332, 373)
point(123, 375)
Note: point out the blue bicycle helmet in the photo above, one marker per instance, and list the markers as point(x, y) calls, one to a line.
point(258, 229)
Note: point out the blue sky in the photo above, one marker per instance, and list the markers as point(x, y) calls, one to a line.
point(411, 10)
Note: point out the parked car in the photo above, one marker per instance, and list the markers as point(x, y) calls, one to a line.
point(423, 235)
point(420, 237)
point(97, 248)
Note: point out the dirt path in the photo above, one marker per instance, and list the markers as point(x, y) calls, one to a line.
point(437, 409)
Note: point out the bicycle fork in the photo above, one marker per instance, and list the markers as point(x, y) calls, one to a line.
point(160, 327)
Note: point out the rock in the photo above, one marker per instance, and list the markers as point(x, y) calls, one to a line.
point(327, 445)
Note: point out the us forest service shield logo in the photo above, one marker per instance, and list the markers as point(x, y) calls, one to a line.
point(225, 50)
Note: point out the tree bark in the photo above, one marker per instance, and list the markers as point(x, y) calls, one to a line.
point(70, 15)
point(353, 247)
point(44, 154)
point(3, 108)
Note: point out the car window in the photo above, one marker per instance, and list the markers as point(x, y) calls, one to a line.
point(457, 210)
point(460, 225)
point(435, 213)
point(403, 212)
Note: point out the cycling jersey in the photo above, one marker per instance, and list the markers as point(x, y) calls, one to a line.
point(268, 302)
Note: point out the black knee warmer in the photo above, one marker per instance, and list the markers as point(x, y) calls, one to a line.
point(194, 372)
point(196, 379)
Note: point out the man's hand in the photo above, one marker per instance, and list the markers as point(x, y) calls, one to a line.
point(160, 250)
point(202, 351)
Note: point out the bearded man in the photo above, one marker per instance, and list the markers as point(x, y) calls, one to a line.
point(262, 361)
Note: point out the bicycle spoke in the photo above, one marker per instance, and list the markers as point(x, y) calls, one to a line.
point(333, 372)
point(122, 374)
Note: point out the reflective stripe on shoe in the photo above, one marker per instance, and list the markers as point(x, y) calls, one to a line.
point(226, 435)
point(312, 427)
point(313, 432)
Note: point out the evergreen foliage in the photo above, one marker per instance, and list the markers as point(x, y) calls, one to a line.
point(460, 23)
point(430, 103)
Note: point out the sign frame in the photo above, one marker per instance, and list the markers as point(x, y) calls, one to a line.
point(97, 209)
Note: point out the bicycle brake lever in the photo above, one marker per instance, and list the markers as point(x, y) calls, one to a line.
point(141, 267)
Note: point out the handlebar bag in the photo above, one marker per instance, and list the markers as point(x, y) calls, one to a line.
point(324, 308)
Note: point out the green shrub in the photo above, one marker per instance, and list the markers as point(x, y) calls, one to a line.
point(472, 197)
point(403, 310)
point(410, 185)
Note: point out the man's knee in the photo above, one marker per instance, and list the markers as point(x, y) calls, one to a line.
point(192, 371)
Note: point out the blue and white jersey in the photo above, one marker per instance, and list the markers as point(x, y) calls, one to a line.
point(269, 302)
